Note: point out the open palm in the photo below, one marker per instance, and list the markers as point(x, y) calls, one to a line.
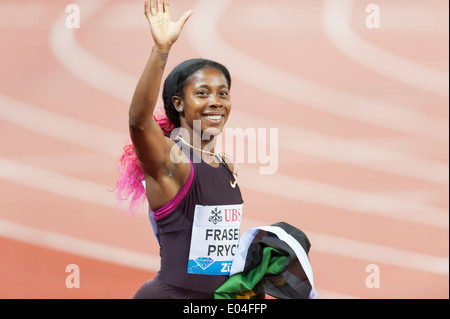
point(165, 31)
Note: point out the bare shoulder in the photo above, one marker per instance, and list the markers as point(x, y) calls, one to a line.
point(172, 178)
point(177, 159)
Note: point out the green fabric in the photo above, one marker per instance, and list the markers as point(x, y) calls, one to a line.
point(241, 285)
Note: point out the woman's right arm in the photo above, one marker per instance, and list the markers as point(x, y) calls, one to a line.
point(149, 142)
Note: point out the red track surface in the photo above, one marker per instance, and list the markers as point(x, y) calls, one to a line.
point(362, 152)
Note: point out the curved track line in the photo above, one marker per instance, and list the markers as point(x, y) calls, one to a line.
point(30, 233)
point(56, 183)
point(66, 129)
point(347, 199)
point(110, 142)
point(121, 85)
point(56, 125)
point(78, 246)
point(348, 151)
point(303, 91)
point(95, 193)
point(335, 19)
point(97, 251)
point(88, 68)
point(382, 254)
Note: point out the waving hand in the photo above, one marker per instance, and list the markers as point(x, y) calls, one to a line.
point(165, 31)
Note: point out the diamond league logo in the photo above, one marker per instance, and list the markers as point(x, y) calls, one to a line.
point(204, 262)
point(215, 218)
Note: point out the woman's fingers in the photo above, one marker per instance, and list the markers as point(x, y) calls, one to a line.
point(184, 18)
point(167, 6)
point(160, 5)
point(165, 31)
point(150, 7)
point(147, 8)
point(153, 7)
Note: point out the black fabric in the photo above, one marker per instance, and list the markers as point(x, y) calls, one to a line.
point(211, 186)
point(292, 282)
point(289, 281)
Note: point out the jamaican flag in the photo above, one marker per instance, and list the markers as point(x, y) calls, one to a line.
point(270, 260)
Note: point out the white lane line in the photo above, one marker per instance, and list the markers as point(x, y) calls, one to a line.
point(97, 251)
point(380, 254)
point(110, 142)
point(369, 252)
point(409, 145)
point(56, 125)
point(78, 246)
point(319, 145)
point(349, 151)
point(66, 129)
point(343, 198)
point(70, 162)
point(95, 254)
point(94, 193)
point(116, 83)
point(303, 91)
point(56, 183)
point(93, 71)
point(336, 21)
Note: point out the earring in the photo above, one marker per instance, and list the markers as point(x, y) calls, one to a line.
point(180, 110)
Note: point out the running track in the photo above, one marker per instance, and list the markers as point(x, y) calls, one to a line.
point(362, 118)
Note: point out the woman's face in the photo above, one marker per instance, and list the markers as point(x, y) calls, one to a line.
point(206, 99)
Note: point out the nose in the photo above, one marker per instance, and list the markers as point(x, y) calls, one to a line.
point(216, 101)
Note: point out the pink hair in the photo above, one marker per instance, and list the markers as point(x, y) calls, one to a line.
point(130, 173)
point(166, 125)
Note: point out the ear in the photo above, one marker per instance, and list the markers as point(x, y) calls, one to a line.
point(178, 103)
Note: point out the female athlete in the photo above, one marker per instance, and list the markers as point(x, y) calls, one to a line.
point(195, 203)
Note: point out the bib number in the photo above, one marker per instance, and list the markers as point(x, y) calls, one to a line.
point(215, 237)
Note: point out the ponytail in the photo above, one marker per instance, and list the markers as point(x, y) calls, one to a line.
point(130, 174)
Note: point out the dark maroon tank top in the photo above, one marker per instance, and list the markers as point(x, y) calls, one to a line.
point(207, 186)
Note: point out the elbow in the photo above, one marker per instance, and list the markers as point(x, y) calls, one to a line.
point(139, 122)
point(135, 123)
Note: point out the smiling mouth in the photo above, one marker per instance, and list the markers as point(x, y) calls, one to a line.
point(213, 117)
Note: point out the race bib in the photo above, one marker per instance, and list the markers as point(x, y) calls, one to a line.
point(215, 237)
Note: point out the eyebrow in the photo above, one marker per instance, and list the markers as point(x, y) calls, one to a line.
point(206, 86)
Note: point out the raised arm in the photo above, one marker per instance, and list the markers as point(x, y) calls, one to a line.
point(149, 142)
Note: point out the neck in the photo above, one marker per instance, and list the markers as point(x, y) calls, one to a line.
point(201, 147)
point(209, 151)
point(198, 140)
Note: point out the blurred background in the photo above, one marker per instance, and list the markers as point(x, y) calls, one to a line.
point(358, 91)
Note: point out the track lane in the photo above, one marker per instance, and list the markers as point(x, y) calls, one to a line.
point(100, 178)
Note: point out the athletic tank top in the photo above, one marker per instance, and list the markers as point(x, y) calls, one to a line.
point(198, 230)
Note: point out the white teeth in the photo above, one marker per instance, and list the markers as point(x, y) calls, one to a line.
point(213, 117)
